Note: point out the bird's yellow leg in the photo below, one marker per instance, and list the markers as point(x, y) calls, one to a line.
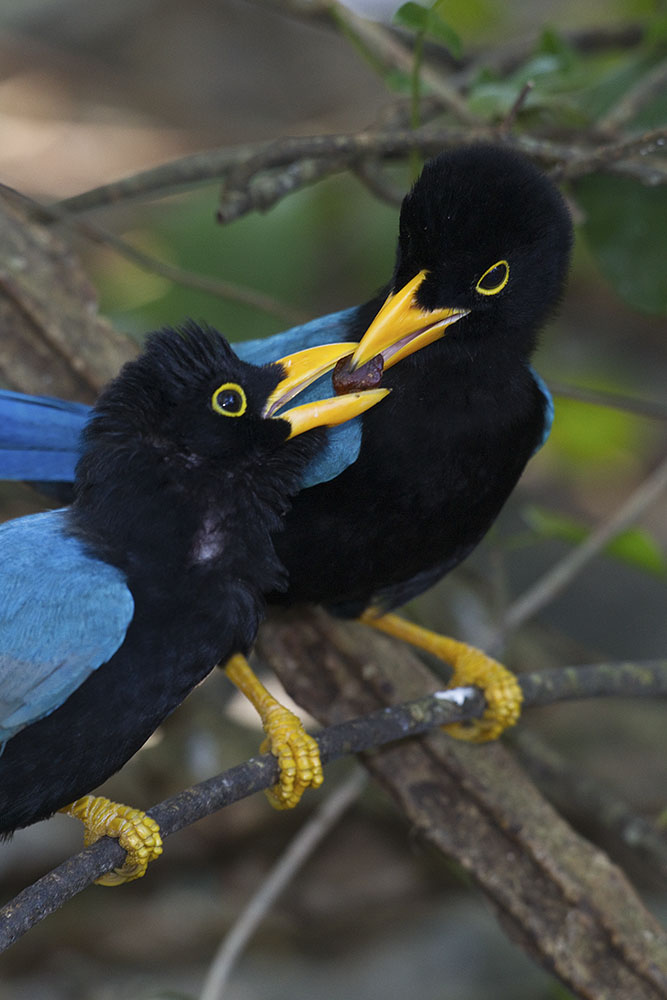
point(297, 752)
point(136, 832)
point(471, 667)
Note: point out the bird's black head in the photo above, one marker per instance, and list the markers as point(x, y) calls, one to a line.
point(492, 232)
point(179, 440)
point(188, 435)
point(483, 252)
point(189, 398)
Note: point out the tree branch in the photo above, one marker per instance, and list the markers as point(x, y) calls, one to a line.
point(648, 87)
point(653, 408)
point(569, 160)
point(186, 171)
point(146, 262)
point(571, 790)
point(557, 896)
point(357, 735)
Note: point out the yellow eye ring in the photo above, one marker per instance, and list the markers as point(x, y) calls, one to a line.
point(229, 400)
point(502, 269)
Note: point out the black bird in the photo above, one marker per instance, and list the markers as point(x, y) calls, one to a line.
point(392, 504)
point(113, 609)
point(483, 253)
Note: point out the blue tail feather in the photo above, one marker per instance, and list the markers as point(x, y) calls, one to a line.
point(39, 437)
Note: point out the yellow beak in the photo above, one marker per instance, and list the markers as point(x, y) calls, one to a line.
point(402, 327)
point(301, 370)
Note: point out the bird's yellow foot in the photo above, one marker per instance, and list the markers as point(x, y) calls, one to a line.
point(298, 753)
point(298, 756)
point(136, 832)
point(471, 667)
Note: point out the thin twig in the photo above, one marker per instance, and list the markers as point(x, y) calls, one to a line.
point(186, 171)
point(611, 154)
point(646, 679)
point(561, 575)
point(386, 46)
point(295, 856)
point(648, 87)
point(371, 175)
point(188, 279)
point(227, 290)
point(652, 408)
point(511, 116)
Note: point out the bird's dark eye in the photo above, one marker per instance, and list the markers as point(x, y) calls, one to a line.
point(229, 400)
point(494, 279)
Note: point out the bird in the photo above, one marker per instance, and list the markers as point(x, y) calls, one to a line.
point(114, 608)
point(399, 497)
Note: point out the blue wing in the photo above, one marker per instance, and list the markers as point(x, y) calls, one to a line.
point(344, 441)
point(63, 614)
point(39, 437)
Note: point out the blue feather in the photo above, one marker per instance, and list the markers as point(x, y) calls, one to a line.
point(63, 614)
point(549, 412)
point(344, 442)
point(39, 435)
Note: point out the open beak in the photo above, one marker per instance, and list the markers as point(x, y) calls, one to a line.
point(301, 370)
point(402, 327)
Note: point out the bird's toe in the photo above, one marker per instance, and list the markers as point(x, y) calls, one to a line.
point(501, 690)
point(298, 756)
point(136, 832)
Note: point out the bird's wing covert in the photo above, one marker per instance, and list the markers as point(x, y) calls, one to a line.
point(39, 436)
point(63, 614)
point(344, 442)
point(548, 408)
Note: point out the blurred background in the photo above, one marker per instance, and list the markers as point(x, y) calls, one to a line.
point(93, 92)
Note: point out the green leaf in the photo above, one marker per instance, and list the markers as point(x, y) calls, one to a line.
point(441, 30)
point(625, 229)
point(639, 548)
point(397, 80)
point(634, 546)
point(552, 43)
point(412, 15)
point(429, 21)
point(657, 28)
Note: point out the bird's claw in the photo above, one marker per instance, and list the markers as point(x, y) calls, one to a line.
point(471, 667)
point(136, 832)
point(501, 690)
point(298, 757)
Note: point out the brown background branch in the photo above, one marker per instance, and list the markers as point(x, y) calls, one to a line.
point(555, 894)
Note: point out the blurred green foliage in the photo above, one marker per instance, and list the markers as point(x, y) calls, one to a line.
point(326, 248)
point(626, 228)
point(635, 546)
point(430, 22)
point(598, 440)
